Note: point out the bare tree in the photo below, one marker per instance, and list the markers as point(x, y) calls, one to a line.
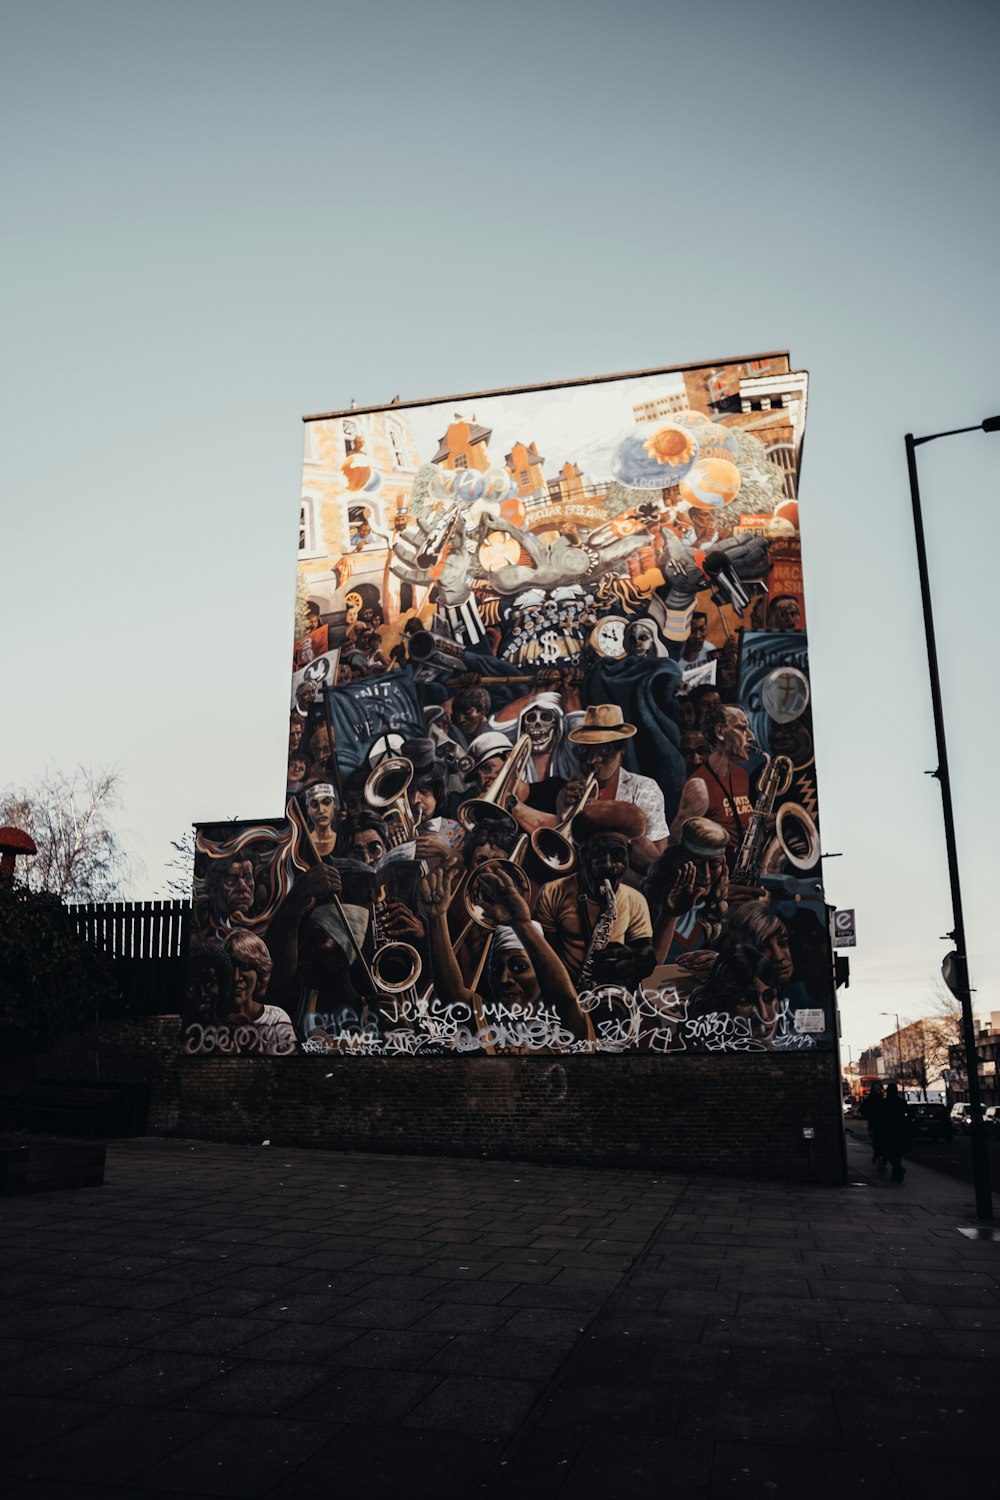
point(181, 866)
point(925, 1042)
point(72, 820)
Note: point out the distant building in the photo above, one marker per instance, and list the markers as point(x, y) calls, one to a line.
point(464, 446)
point(357, 475)
point(525, 465)
point(987, 1058)
point(662, 408)
point(568, 487)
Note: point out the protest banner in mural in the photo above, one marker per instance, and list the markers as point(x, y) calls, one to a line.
point(551, 783)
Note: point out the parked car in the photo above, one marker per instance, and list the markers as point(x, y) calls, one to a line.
point(931, 1122)
point(961, 1116)
point(992, 1118)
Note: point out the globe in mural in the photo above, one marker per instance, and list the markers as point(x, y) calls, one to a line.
point(497, 484)
point(468, 485)
point(441, 484)
point(785, 694)
point(654, 455)
point(716, 441)
point(711, 483)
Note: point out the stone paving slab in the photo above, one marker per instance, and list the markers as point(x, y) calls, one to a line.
point(236, 1321)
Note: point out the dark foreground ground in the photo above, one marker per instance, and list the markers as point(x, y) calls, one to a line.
point(237, 1321)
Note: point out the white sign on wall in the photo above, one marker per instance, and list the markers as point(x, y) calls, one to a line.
point(844, 930)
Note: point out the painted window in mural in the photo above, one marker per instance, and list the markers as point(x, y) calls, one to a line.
point(551, 783)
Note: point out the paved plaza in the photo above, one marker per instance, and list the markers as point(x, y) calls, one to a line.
point(256, 1321)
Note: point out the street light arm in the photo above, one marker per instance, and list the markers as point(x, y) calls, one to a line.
point(991, 424)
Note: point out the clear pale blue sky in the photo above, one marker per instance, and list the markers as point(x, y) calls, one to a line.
point(218, 216)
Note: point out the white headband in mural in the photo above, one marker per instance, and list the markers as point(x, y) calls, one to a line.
point(320, 789)
point(506, 940)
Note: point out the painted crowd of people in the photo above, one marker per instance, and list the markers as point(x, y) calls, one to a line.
point(549, 860)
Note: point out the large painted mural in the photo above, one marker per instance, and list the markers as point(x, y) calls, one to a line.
point(551, 783)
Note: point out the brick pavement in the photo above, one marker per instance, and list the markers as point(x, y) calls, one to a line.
point(237, 1321)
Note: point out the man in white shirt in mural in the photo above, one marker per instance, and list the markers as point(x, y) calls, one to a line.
point(599, 740)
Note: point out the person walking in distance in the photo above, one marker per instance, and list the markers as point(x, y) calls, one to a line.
point(894, 1131)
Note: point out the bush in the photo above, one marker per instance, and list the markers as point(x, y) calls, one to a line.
point(50, 980)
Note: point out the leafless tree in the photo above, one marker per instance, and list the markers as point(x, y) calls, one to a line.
point(181, 867)
point(925, 1042)
point(72, 819)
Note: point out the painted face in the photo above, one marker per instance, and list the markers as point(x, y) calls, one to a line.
point(640, 639)
point(202, 994)
point(702, 524)
point(539, 724)
point(699, 628)
point(244, 987)
point(488, 851)
point(367, 846)
point(684, 714)
point(604, 760)
point(469, 720)
point(484, 775)
point(513, 979)
point(761, 1009)
point(319, 743)
point(321, 960)
point(296, 769)
point(321, 811)
point(294, 733)
point(237, 887)
point(786, 615)
point(604, 859)
point(737, 739)
point(694, 749)
point(423, 799)
point(779, 954)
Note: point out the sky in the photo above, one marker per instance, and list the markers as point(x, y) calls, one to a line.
point(220, 216)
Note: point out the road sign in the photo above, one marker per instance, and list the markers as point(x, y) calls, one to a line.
point(844, 930)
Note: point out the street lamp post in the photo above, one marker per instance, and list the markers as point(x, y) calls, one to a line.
point(962, 988)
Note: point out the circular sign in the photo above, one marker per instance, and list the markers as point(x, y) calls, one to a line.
point(785, 694)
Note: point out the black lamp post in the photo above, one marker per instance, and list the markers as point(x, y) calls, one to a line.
point(960, 969)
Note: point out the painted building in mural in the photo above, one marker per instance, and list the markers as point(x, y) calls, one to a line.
point(551, 782)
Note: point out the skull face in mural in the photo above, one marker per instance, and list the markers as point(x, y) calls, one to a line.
point(541, 725)
point(640, 639)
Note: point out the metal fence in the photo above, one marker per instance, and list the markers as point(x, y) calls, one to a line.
point(147, 944)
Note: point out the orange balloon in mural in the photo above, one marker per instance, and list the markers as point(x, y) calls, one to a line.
point(357, 470)
point(711, 483)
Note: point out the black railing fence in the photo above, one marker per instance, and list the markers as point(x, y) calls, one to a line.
point(146, 942)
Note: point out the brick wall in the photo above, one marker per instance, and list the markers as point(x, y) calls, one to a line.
point(735, 1115)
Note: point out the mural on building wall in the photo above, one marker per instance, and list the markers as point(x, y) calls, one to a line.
point(551, 784)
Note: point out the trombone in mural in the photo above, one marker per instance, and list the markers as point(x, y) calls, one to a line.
point(551, 782)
